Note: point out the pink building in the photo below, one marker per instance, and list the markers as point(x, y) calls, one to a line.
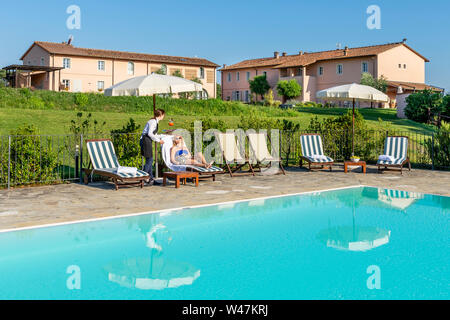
point(93, 70)
point(315, 71)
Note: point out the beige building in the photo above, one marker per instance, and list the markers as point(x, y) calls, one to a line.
point(403, 67)
point(62, 66)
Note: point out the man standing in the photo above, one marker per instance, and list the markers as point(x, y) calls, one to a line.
point(149, 134)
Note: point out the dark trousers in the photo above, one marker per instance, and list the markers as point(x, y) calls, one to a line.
point(148, 167)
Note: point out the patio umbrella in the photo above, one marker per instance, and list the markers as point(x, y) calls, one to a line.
point(155, 273)
point(153, 84)
point(353, 92)
point(354, 238)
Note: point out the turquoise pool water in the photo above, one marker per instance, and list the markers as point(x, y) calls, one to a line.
point(342, 244)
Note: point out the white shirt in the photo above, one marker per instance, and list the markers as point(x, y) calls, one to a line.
point(150, 128)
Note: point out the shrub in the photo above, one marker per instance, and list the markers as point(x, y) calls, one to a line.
point(337, 136)
point(126, 144)
point(81, 99)
point(33, 158)
point(441, 148)
point(421, 106)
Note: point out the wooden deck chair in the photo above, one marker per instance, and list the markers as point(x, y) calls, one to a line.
point(264, 159)
point(397, 148)
point(103, 161)
point(234, 161)
point(312, 151)
point(204, 173)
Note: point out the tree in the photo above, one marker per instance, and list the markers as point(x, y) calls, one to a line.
point(259, 85)
point(422, 106)
point(288, 89)
point(379, 84)
point(177, 73)
point(219, 91)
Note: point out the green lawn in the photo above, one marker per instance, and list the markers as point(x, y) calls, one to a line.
point(58, 121)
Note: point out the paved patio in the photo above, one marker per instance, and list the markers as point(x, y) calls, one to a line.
point(25, 207)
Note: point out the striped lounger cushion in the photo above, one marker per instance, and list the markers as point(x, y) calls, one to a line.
point(399, 194)
point(201, 169)
point(312, 146)
point(103, 158)
point(397, 148)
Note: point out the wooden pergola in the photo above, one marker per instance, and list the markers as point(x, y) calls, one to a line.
point(13, 71)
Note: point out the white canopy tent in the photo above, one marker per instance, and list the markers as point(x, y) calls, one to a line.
point(353, 92)
point(153, 84)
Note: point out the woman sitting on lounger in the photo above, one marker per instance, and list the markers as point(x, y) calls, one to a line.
point(180, 155)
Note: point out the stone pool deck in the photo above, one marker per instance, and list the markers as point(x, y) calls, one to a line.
point(25, 207)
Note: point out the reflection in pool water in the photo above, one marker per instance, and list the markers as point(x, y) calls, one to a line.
point(279, 248)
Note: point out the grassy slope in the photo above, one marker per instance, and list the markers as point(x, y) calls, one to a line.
point(52, 112)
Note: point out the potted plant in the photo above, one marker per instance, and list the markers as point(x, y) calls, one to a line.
point(354, 158)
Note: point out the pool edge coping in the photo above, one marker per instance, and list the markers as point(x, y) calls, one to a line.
point(56, 224)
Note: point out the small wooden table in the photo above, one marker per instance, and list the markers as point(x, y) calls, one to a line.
point(361, 164)
point(183, 175)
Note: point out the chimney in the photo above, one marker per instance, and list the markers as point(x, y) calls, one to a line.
point(283, 54)
point(404, 40)
point(300, 52)
point(276, 54)
point(345, 50)
point(224, 65)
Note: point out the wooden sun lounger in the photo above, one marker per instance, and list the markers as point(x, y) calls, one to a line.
point(234, 161)
point(311, 144)
point(397, 147)
point(103, 161)
point(264, 159)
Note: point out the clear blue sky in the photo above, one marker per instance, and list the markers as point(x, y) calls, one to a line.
point(228, 31)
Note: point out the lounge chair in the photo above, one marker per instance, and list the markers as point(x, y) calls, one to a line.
point(204, 173)
point(312, 151)
point(395, 147)
point(263, 157)
point(234, 161)
point(104, 162)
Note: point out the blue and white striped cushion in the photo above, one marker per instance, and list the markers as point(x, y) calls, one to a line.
point(311, 145)
point(201, 169)
point(102, 154)
point(328, 159)
point(397, 147)
point(103, 158)
point(138, 174)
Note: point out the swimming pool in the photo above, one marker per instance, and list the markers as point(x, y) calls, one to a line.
point(355, 243)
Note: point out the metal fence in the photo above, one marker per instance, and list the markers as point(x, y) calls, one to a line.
point(49, 159)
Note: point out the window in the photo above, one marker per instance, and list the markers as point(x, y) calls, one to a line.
point(237, 76)
point(229, 76)
point(248, 75)
point(320, 71)
point(29, 62)
point(404, 66)
point(42, 61)
point(399, 65)
point(66, 63)
point(247, 97)
point(202, 73)
point(101, 65)
point(364, 67)
point(100, 85)
point(66, 84)
point(238, 95)
point(131, 68)
point(339, 69)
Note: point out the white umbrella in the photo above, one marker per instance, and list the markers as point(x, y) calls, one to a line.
point(153, 84)
point(353, 92)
